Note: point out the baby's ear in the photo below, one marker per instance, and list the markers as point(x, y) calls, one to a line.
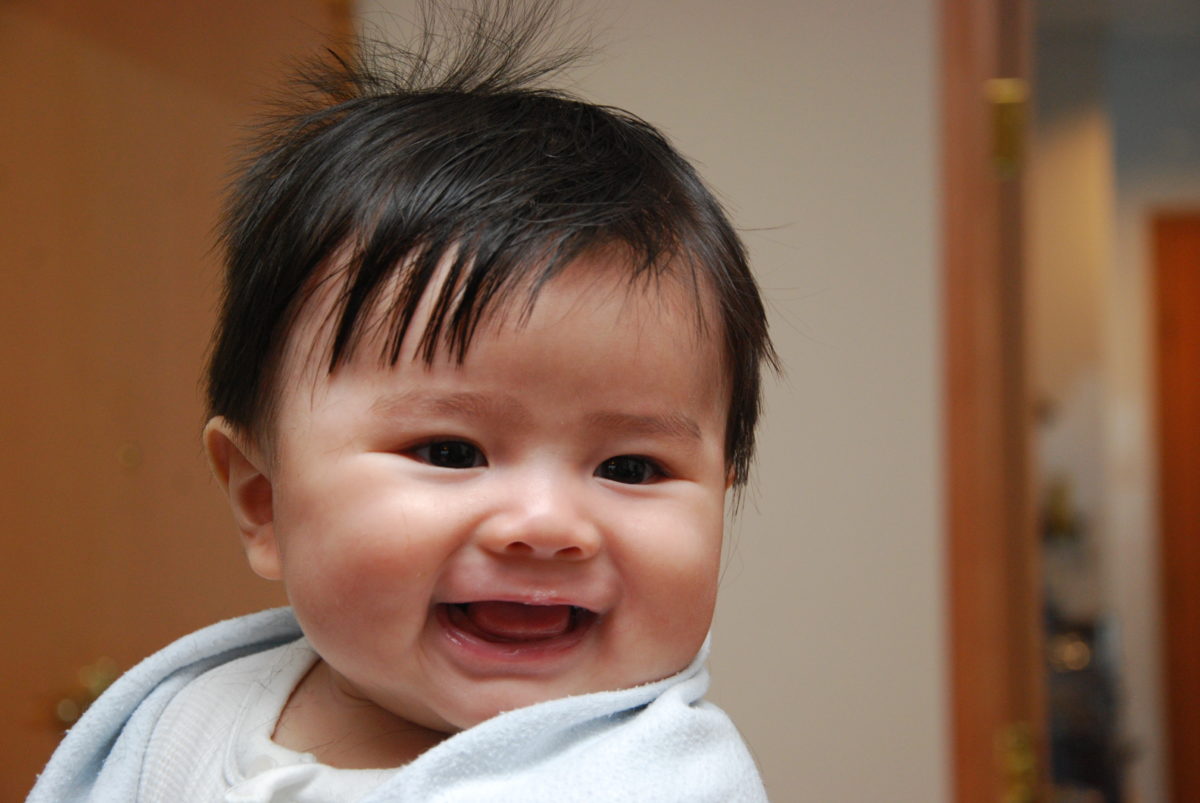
point(241, 469)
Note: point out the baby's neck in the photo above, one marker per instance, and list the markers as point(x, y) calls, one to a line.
point(346, 732)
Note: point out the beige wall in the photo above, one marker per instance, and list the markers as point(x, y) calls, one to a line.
point(815, 121)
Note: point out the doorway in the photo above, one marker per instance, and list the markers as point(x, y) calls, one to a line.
point(1115, 139)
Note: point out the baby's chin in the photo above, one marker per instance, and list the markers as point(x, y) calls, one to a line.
point(493, 702)
point(464, 714)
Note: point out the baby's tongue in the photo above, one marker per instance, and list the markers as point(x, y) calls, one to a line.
point(516, 621)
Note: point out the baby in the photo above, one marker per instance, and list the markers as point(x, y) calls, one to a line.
point(486, 371)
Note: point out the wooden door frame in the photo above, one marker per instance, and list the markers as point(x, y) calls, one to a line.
point(1177, 473)
point(996, 706)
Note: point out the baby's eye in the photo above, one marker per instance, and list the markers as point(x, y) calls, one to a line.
point(451, 454)
point(628, 469)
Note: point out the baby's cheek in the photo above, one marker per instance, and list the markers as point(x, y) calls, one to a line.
point(672, 592)
point(684, 609)
point(353, 602)
point(381, 566)
point(675, 553)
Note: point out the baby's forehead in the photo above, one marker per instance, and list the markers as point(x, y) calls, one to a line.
point(439, 319)
point(587, 333)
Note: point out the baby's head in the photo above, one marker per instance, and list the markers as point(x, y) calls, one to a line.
point(487, 366)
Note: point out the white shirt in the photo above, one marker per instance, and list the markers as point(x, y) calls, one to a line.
point(213, 742)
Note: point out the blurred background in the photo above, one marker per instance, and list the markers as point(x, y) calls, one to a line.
point(967, 568)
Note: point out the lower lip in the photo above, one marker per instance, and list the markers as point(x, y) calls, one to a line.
point(538, 655)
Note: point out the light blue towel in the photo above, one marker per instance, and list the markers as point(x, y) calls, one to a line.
point(100, 758)
point(657, 742)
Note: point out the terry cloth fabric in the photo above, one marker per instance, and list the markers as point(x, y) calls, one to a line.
point(657, 742)
point(213, 741)
point(100, 758)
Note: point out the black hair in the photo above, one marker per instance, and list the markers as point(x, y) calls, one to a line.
point(394, 162)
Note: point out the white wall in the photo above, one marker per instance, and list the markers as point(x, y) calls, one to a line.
point(815, 121)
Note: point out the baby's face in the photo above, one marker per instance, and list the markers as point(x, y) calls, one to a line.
point(544, 519)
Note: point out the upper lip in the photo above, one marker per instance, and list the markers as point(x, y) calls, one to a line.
point(594, 591)
point(527, 598)
point(590, 600)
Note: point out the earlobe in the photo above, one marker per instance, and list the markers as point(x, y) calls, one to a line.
point(242, 472)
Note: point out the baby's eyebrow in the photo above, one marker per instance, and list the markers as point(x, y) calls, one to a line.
point(672, 425)
point(462, 403)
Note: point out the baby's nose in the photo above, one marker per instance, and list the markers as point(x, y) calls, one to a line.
point(547, 524)
point(537, 547)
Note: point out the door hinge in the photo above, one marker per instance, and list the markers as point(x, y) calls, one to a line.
point(1017, 756)
point(1008, 99)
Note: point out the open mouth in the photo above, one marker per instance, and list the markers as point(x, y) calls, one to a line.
point(518, 623)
